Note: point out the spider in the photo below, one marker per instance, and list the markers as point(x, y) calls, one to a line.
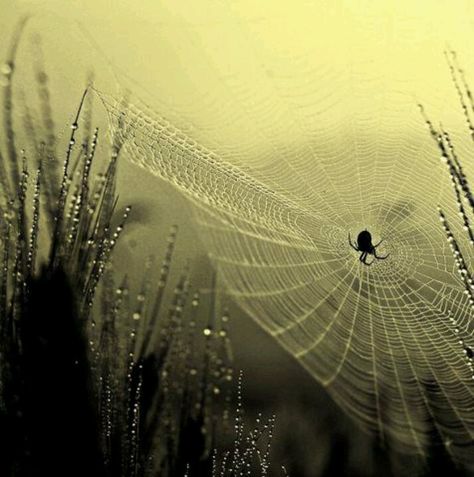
point(364, 245)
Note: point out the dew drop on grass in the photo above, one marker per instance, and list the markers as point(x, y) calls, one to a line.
point(6, 69)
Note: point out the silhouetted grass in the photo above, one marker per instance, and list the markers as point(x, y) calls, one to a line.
point(93, 380)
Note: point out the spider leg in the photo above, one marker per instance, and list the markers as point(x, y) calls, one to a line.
point(351, 244)
point(379, 257)
point(363, 259)
point(376, 245)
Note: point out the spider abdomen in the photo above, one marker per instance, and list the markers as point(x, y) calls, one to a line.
point(364, 241)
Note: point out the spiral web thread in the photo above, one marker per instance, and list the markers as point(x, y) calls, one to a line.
point(390, 342)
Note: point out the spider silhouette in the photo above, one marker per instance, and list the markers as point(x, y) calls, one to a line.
point(364, 245)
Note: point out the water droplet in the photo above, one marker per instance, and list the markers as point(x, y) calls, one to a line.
point(6, 69)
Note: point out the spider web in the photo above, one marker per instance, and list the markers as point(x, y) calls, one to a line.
point(279, 176)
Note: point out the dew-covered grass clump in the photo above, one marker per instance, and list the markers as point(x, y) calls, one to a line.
point(100, 376)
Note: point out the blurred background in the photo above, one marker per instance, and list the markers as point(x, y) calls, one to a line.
point(181, 57)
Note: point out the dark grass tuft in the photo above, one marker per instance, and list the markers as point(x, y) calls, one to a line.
point(93, 380)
